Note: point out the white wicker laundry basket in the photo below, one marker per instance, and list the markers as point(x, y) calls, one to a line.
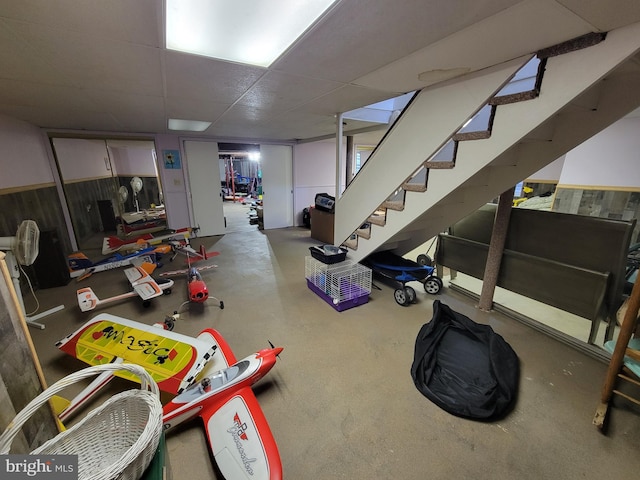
point(117, 440)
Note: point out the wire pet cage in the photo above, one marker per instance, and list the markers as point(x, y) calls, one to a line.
point(342, 285)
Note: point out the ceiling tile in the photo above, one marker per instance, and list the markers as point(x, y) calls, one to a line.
point(344, 99)
point(20, 93)
point(605, 16)
point(194, 109)
point(63, 119)
point(277, 91)
point(21, 61)
point(192, 76)
point(95, 62)
point(135, 22)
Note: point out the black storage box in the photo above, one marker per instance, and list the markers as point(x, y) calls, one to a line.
point(319, 254)
point(325, 202)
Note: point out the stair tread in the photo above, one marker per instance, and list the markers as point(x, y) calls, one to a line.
point(440, 165)
point(377, 220)
point(514, 97)
point(398, 206)
point(478, 135)
point(414, 187)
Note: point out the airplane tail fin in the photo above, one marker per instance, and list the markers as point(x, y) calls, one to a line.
point(87, 299)
point(111, 244)
point(78, 261)
point(206, 255)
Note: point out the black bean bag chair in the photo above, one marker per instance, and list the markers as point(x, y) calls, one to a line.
point(464, 367)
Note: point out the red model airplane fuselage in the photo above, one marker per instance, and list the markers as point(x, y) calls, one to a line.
point(198, 292)
point(236, 428)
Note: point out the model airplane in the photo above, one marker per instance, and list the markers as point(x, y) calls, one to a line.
point(81, 266)
point(197, 290)
point(114, 244)
point(183, 247)
point(143, 284)
point(236, 428)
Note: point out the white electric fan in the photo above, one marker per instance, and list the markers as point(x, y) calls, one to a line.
point(123, 194)
point(23, 250)
point(136, 186)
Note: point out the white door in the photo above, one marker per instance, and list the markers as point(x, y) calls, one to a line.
point(277, 185)
point(204, 181)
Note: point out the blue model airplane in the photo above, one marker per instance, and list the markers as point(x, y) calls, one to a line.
point(81, 267)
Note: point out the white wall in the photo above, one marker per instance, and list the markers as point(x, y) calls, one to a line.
point(549, 174)
point(609, 160)
point(314, 171)
point(24, 159)
point(174, 186)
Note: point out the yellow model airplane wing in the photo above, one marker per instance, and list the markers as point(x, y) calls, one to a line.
point(172, 359)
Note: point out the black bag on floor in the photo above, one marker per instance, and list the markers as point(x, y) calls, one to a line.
point(464, 367)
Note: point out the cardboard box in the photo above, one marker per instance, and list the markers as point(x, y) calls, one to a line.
point(322, 226)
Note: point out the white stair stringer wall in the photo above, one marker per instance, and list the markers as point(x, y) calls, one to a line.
point(582, 93)
point(424, 127)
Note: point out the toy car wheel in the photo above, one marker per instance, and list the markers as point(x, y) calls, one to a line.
point(221, 305)
point(433, 285)
point(411, 294)
point(401, 297)
point(167, 291)
point(424, 260)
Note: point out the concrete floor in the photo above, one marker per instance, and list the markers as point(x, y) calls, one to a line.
point(341, 401)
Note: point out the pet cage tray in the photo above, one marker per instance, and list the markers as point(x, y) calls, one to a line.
point(342, 285)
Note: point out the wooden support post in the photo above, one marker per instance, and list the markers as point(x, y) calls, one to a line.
point(494, 256)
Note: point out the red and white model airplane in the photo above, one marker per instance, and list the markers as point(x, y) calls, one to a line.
point(143, 284)
point(237, 431)
point(196, 287)
point(114, 244)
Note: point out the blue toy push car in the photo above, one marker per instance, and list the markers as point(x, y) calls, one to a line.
point(400, 270)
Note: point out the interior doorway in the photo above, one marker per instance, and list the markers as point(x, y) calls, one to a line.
point(241, 184)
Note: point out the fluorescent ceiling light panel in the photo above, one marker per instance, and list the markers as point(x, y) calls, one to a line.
point(188, 125)
point(255, 32)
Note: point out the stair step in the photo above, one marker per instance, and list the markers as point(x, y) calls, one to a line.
point(397, 206)
point(414, 187)
point(463, 137)
point(477, 127)
point(578, 43)
point(440, 165)
point(514, 97)
point(378, 219)
point(364, 231)
point(351, 242)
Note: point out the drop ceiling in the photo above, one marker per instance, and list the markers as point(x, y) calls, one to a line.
point(101, 66)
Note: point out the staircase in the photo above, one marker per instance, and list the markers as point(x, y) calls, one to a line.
point(460, 144)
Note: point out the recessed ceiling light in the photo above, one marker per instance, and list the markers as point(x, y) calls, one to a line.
point(188, 125)
point(255, 32)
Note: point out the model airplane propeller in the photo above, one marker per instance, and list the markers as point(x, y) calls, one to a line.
point(210, 383)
